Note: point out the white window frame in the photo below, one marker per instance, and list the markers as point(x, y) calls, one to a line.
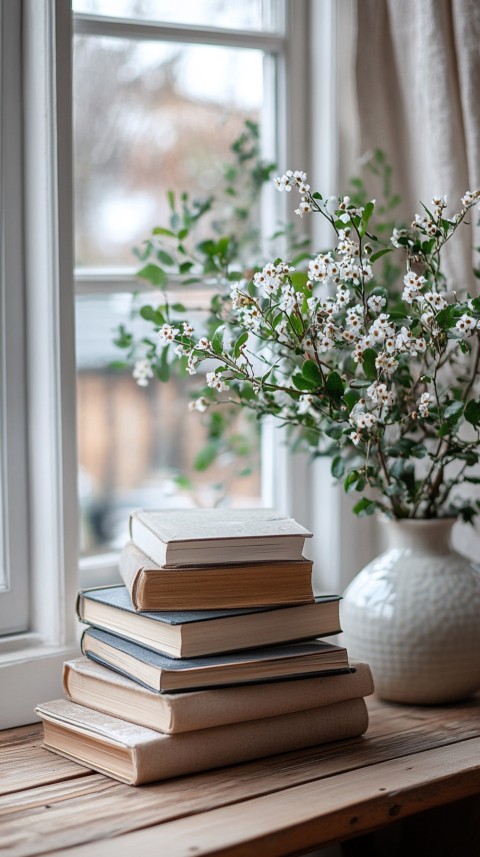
point(14, 556)
point(286, 44)
point(31, 664)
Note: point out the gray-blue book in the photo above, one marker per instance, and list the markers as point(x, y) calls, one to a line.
point(161, 673)
point(192, 633)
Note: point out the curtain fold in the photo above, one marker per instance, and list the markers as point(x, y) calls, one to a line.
point(418, 91)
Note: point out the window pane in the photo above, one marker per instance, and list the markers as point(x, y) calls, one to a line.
point(14, 562)
point(232, 14)
point(138, 446)
point(3, 570)
point(150, 117)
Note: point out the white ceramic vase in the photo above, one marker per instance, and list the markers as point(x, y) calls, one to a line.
point(413, 614)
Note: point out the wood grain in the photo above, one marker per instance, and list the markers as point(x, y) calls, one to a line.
point(49, 805)
point(300, 817)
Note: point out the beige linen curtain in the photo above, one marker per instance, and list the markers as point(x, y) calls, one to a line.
point(418, 89)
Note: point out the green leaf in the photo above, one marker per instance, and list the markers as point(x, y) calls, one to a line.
point(335, 385)
point(183, 481)
point(297, 324)
point(380, 253)
point(366, 215)
point(165, 258)
point(185, 267)
point(177, 307)
point(124, 338)
point(453, 412)
point(161, 368)
point(301, 382)
point(351, 480)
point(160, 230)
point(171, 199)
point(351, 397)
point(299, 280)
point(240, 341)
point(153, 274)
point(206, 456)
point(154, 315)
point(364, 507)
point(472, 412)
point(338, 467)
point(217, 339)
point(369, 368)
point(311, 372)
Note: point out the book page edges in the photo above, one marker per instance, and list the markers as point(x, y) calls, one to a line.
point(194, 710)
point(131, 570)
point(190, 752)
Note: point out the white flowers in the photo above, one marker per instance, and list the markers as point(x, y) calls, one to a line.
point(167, 334)
point(306, 404)
point(142, 372)
point(199, 405)
point(376, 302)
point(470, 197)
point(413, 283)
point(292, 179)
point(466, 325)
point(380, 394)
point(423, 404)
point(216, 382)
point(341, 351)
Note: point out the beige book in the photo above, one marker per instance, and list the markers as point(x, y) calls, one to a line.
point(95, 686)
point(211, 587)
point(136, 755)
point(180, 537)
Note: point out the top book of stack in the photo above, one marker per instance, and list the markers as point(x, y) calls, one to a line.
point(183, 537)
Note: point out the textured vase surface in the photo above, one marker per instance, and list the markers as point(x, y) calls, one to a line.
point(413, 614)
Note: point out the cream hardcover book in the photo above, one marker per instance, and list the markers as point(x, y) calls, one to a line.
point(93, 685)
point(136, 755)
point(181, 537)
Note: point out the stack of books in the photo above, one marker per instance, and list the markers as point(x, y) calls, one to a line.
point(210, 654)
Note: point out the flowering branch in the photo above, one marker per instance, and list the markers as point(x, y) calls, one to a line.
point(383, 379)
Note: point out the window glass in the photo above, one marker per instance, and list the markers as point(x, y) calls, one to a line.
point(142, 446)
point(232, 14)
point(3, 572)
point(151, 117)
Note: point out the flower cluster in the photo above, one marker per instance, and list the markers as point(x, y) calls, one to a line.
point(379, 372)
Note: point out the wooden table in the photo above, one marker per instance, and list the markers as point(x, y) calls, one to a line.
point(411, 760)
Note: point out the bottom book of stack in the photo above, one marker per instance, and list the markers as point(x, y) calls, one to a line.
point(118, 727)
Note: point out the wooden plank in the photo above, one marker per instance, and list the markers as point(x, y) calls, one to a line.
point(21, 735)
point(305, 816)
point(67, 820)
point(45, 796)
point(28, 766)
point(60, 816)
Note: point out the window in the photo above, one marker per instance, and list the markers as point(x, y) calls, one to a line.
point(14, 604)
point(38, 427)
point(158, 101)
point(39, 514)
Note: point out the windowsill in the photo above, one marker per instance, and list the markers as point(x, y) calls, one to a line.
point(29, 674)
